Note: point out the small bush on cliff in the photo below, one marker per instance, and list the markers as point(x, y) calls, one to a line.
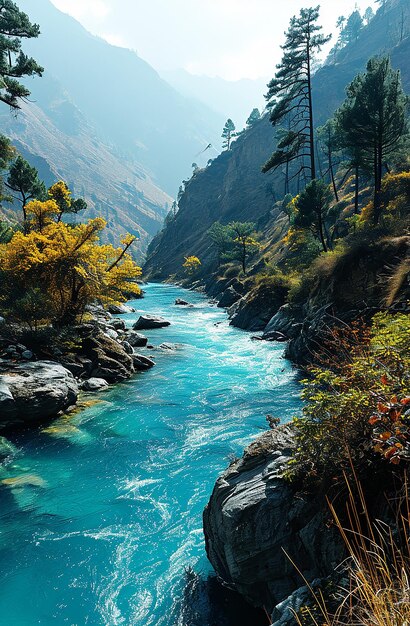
point(191, 264)
point(357, 403)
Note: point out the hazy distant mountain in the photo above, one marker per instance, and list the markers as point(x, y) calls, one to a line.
point(53, 134)
point(130, 105)
point(234, 99)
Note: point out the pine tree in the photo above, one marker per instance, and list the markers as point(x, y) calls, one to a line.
point(228, 134)
point(352, 28)
point(24, 182)
point(329, 142)
point(312, 210)
point(7, 153)
point(254, 117)
point(14, 64)
point(222, 238)
point(290, 93)
point(368, 15)
point(372, 121)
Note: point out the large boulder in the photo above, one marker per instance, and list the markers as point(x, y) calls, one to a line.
point(30, 392)
point(136, 340)
point(109, 359)
point(147, 322)
point(94, 384)
point(142, 362)
point(229, 297)
point(254, 515)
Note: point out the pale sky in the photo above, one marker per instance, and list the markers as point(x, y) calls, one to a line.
point(229, 38)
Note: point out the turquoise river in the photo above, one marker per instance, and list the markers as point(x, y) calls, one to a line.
point(101, 513)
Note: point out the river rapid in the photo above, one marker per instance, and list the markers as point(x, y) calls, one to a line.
point(101, 512)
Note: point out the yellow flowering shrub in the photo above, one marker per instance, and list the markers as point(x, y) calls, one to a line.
point(52, 272)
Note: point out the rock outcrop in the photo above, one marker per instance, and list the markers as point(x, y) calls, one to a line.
point(31, 392)
point(147, 322)
point(255, 515)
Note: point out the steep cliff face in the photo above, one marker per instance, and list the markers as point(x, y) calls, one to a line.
point(233, 188)
point(255, 523)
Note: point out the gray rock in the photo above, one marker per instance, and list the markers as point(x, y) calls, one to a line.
point(33, 391)
point(2, 320)
point(136, 340)
point(169, 347)
point(229, 297)
point(180, 302)
point(254, 514)
point(27, 354)
point(111, 333)
point(120, 309)
point(94, 384)
point(146, 322)
point(117, 324)
point(284, 613)
point(142, 362)
point(275, 335)
point(127, 347)
point(108, 358)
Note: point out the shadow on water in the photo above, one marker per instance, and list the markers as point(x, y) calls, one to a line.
point(206, 602)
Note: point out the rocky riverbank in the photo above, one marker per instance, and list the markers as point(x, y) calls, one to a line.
point(47, 374)
point(256, 522)
point(265, 537)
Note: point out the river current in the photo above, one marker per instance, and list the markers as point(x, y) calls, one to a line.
point(101, 512)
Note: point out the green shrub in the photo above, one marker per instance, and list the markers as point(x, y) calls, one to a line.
point(356, 408)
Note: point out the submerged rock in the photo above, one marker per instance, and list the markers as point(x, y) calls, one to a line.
point(146, 322)
point(254, 514)
point(33, 391)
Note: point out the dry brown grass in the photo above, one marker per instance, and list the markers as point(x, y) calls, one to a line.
point(378, 570)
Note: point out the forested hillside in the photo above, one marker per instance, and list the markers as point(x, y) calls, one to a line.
point(233, 187)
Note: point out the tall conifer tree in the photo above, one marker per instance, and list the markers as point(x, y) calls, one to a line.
point(290, 93)
point(372, 121)
point(14, 64)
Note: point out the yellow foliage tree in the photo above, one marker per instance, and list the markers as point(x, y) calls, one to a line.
point(191, 264)
point(53, 272)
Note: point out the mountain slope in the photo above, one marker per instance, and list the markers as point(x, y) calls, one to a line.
point(231, 98)
point(233, 188)
point(130, 105)
point(53, 135)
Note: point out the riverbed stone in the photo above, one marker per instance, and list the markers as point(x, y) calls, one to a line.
point(146, 322)
point(34, 391)
point(142, 362)
point(120, 309)
point(136, 340)
point(94, 384)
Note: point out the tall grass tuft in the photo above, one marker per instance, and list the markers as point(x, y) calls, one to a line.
point(378, 568)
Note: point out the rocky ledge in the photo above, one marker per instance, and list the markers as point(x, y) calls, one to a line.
point(255, 516)
point(41, 380)
point(36, 390)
